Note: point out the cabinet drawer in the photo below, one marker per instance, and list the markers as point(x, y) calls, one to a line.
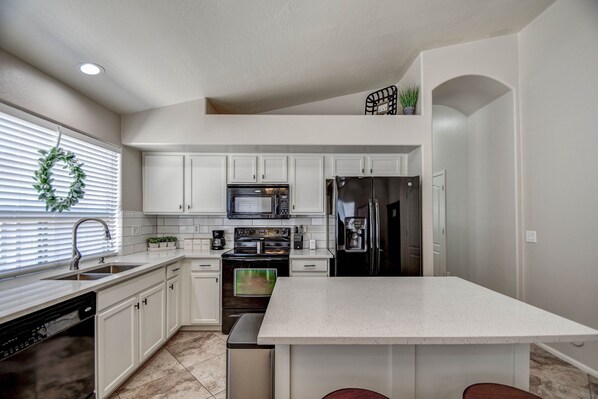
point(309, 265)
point(198, 265)
point(310, 274)
point(173, 270)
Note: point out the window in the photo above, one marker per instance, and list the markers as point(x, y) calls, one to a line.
point(32, 238)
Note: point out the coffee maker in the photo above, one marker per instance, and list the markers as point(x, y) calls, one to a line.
point(218, 241)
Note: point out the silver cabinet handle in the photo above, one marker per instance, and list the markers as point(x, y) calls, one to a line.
point(309, 266)
point(180, 206)
point(371, 170)
point(362, 170)
point(188, 206)
point(204, 266)
point(137, 305)
point(216, 279)
point(176, 270)
point(254, 176)
point(171, 286)
point(144, 301)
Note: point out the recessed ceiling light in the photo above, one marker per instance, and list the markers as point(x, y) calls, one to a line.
point(91, 69)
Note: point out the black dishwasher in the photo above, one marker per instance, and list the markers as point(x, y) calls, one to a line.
point(50, 353)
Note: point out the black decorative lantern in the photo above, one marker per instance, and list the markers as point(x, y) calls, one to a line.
point(382, 102)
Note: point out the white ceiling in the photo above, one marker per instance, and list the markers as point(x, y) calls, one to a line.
point(246, 56)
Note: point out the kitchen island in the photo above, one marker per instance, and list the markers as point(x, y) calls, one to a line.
point(419, 337)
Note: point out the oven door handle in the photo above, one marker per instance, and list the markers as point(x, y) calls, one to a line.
point(241, 259)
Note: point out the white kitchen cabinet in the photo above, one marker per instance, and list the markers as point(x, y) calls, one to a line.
point(242, 169)
point(312, 267)
point(273, 169)
point(385, 165)
point(205, 298)
point(205, 184)
point(163, 183)
point(204, 291)
point(152, 321)
point(348, 165)
point(307, 184)
point(173, 305)
point(116, 345)
point(131, 326)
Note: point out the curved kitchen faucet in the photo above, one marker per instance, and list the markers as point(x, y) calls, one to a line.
point(76, 254)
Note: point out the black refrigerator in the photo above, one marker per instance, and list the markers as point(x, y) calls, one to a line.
point(377, 226)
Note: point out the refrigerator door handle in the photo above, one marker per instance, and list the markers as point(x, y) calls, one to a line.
point(372, 250)
point(377, 236)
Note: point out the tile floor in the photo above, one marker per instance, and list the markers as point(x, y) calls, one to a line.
point(193, 365)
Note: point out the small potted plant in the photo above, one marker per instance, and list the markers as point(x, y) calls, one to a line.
point(408, 99)
point(153, 242)
point(171, 241)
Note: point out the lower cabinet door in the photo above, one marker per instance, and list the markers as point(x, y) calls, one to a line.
point(117, 345)
point(205, 298)
point(152, 319)
point(173, 305)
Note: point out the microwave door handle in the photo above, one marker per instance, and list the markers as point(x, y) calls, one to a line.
point(276, 205)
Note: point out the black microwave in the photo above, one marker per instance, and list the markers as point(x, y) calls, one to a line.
point(257, 201)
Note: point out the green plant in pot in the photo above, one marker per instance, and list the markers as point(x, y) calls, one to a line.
point(171, 241)
point(408, 99)
point(154, 242)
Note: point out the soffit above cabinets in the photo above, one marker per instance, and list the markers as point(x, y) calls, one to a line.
point(245, 56)
point(280, 149)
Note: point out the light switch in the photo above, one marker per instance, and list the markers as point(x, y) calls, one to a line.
point(530, 236)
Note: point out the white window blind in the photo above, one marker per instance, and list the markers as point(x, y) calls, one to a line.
point(33, 238)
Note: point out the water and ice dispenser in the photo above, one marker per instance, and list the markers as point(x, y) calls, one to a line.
point(355, 234)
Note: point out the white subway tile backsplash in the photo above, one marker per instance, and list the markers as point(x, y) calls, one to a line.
point(187, 229)
point(183, 226)
point(167, 229)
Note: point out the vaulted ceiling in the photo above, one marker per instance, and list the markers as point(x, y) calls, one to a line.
point(245, 56)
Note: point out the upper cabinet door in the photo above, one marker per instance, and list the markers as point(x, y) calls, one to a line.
point(385, 165)
point(163, 183)
point(273, 169)
point(348, 165)
point(242, 169)
point(307, 184)
point(206, 184)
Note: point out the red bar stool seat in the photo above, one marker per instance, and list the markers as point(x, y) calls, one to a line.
point(495, 391)
point(354, 393)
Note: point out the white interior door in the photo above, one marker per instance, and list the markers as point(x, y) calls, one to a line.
point(439, 220)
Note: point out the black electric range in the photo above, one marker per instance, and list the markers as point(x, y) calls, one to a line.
point(249, 271)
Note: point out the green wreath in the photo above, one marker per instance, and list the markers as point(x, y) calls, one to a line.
point(43, 179)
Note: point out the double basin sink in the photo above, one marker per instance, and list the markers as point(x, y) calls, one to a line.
point(97, 272)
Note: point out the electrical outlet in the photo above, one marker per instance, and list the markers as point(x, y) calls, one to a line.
point(196, 228)
point(530, 236)
point(135, 230)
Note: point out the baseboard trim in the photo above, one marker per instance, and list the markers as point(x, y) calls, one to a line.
point(583, 367)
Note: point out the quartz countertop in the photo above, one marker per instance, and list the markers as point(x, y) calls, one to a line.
point(28, 293)
point(406, 311)
point(310, 253)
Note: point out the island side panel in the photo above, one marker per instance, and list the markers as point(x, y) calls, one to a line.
point(446, 370)
point(397, 371)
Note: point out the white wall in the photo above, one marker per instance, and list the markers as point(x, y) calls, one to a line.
point(450, 138)
point(352, 104)
point(34, 91)
point(492, 228)
point(559, 108)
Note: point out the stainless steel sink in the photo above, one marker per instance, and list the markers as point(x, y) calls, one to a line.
point(97, 272)
point(113, 268)
point(83, 276)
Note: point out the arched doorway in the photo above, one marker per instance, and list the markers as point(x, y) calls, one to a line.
point(474, 147)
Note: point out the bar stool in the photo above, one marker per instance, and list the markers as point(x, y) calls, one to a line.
point(495, 391)
point(354, 393)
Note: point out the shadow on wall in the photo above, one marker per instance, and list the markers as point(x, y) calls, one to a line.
point(474, 185)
